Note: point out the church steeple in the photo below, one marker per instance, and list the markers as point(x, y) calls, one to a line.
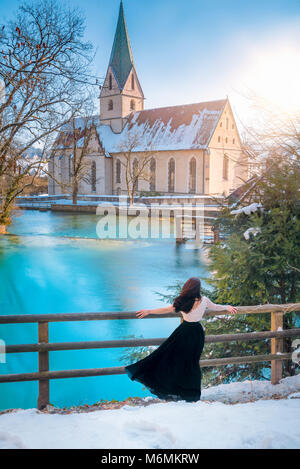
point(121, 59)
point(121, 93)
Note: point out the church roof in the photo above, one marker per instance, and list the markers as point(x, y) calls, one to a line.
point(121, 59)
point(183, 127)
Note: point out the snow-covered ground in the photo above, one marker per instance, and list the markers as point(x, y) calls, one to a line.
point(246, 391)
point(263, 423)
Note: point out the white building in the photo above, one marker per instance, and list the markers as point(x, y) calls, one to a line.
point(194, 148)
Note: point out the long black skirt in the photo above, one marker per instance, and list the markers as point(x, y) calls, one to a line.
point(172, 371)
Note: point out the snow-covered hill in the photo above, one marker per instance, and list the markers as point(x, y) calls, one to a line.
point(264, 423)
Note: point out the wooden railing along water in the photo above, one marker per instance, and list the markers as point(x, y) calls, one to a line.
point(43, 347)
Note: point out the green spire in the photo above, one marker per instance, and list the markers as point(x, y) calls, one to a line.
point(121, 59)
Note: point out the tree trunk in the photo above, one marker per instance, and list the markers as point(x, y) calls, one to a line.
point(282, 290)
point(5, 219)
point(131, 195)
point(131, 199)
point(75, 192)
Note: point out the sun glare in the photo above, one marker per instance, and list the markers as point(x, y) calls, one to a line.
point(275, 76)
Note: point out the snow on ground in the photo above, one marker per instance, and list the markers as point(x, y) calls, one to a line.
point(295, 395)
point(251, 390)
point(173, 425)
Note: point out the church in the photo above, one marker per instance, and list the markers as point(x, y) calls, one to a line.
point(175, 150)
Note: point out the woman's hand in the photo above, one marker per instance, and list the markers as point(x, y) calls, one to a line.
point(231, 309)
point(143, 313)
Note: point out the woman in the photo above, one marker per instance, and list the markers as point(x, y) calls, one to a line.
point(172, 371)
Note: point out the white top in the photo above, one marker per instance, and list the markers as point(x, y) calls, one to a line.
point(197, 312)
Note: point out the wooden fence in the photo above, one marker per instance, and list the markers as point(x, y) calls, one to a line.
point(43, 347)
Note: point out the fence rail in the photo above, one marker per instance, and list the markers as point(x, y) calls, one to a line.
point(43, 347)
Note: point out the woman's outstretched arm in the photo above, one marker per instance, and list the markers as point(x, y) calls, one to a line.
point(215, 307)
point(145, 312)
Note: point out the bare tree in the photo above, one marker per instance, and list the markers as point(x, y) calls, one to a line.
point(44, 64)
point(75, 141)
point(273, 141)
point(136, 163)
point(21, 174)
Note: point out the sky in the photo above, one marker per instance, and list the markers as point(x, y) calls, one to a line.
point(201, 50)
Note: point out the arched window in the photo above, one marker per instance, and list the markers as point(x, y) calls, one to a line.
point(110, 82)
point(192, 176)
point(225, 167)
point(171, 175)
point(135, 174)
point(152, 174)
point(132, 82)
point(132, 105)
point(118, 172)
point(93, 176)
point(110, 105)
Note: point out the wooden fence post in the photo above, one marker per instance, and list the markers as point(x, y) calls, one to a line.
point(276, 346)
point(43, 337)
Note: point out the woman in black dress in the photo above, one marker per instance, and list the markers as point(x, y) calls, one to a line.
point(172, 371)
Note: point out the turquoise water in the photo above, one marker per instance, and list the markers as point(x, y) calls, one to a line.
point(54, 263)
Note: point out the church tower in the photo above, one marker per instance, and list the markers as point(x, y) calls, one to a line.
point(121, 93)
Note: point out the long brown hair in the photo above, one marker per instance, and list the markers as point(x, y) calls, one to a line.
point(191, 291)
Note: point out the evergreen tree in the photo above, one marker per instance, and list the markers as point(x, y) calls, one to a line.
point(256, 262)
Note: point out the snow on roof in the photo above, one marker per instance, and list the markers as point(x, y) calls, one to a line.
point(66, 134)
point(171, 128)
point(183, 127)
